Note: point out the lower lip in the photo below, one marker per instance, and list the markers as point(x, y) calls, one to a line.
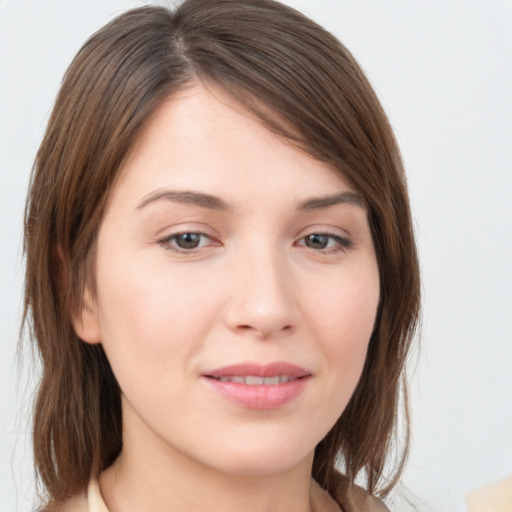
point(259, 396)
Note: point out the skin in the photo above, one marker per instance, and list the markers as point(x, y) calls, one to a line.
point(255, 289)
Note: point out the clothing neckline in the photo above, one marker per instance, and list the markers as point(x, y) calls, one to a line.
point(358, 501)
point(94, 498)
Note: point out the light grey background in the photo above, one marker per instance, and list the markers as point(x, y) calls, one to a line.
point(443, 70)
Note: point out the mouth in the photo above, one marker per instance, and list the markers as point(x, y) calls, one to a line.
point(257, 373)
point(254, 380)
point(255, 386)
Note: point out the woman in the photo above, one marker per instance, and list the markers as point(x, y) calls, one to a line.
point(221, 272)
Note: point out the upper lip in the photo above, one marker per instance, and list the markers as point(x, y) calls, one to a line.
point(259, 370)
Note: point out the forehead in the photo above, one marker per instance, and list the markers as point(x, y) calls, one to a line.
point(203, 136)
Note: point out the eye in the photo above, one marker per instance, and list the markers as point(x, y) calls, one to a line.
point(325, 242)
point(183, 242)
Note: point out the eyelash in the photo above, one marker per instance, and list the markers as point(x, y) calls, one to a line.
point(342, 244)
point(168, 240)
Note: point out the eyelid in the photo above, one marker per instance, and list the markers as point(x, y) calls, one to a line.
point(208, 241)
point(166, 241)
point(344, 243)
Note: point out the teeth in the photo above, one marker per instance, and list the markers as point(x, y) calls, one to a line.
point(239, 380)
point(253, 380)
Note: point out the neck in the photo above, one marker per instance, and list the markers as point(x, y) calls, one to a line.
point(153, 479)
point(127, 489)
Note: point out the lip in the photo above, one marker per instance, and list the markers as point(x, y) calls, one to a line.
point(258, 396)
point(259, 370)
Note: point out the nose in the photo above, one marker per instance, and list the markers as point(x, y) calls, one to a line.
point(262, 300)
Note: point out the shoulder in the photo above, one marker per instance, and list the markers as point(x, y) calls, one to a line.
point(353, 498)
point(78, 503)
point(88, 501)
point(358, 500)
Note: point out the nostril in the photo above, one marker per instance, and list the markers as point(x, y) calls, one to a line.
point(265, 331)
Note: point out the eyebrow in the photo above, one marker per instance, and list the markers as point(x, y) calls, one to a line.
point(216, 203)
point(187, 197)
point(317, 203)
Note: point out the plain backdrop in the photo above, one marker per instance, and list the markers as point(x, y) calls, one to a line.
point(443, 70)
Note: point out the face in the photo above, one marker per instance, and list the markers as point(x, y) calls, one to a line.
point(237, 288)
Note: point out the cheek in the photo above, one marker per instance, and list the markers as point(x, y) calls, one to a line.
point(344, 320)
point(347, 311)
point(150, 317)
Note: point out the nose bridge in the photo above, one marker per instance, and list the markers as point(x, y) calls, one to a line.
point(262, 299)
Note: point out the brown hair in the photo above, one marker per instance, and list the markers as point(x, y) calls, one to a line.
point(301, 83)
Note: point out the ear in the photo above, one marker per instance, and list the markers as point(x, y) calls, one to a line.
point(84, 316)
point(85, 320)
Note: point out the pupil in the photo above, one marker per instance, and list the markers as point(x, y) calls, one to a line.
point(316, 241)
point(188, 240)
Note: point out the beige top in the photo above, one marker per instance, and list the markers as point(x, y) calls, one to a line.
point(352, 498)
point(357, 501)
point(91, 501)
point(96, 503)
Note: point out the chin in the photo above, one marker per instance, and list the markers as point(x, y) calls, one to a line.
point(260, 455)
point(261, 465)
